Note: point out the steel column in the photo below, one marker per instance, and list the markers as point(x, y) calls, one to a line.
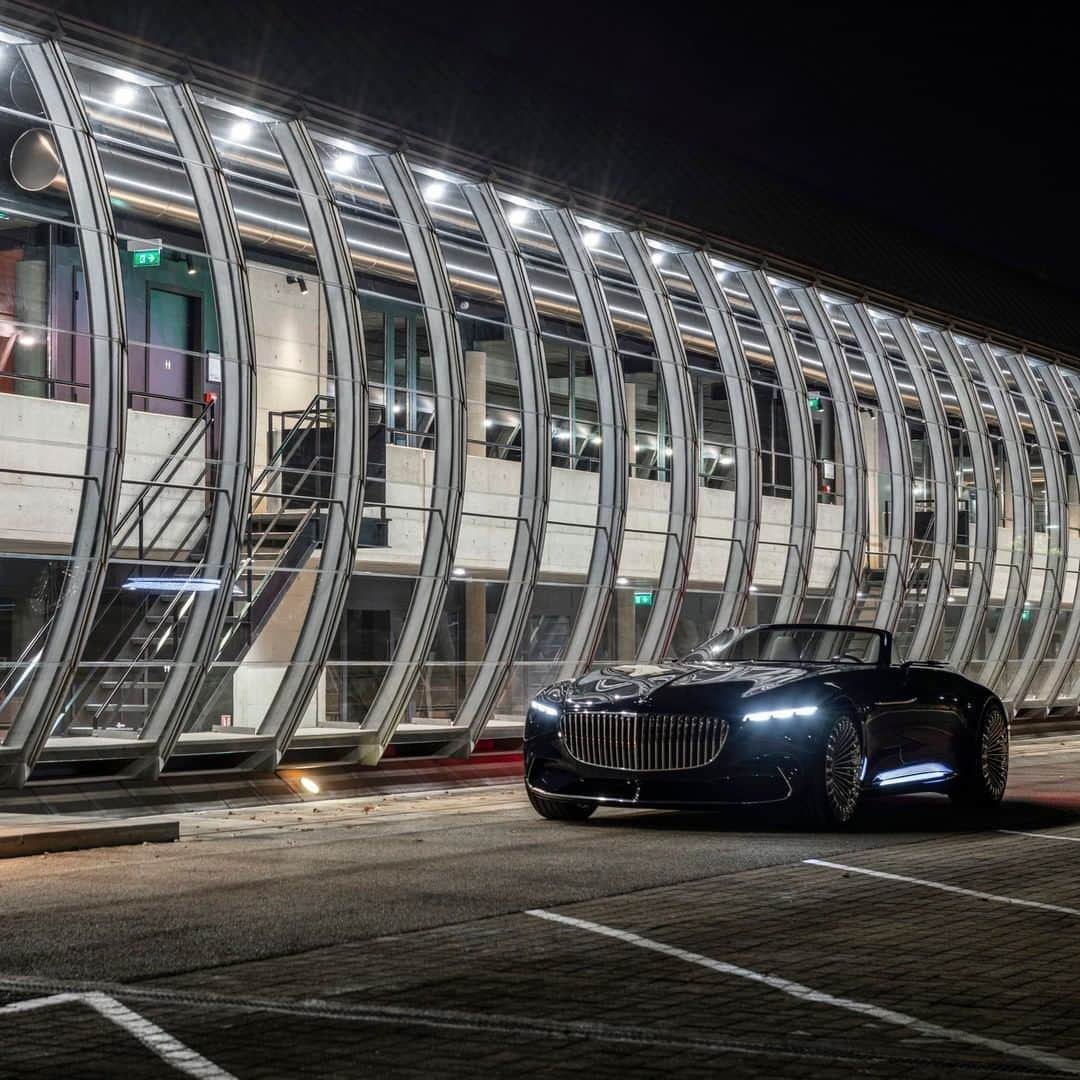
point(746, 434)
point(1020, 481)
point(534, 491)
point(448, 467)
point(53, 670)
point(893, 420)
point(985, 532)
point(789, 375)
point(674, 378)
point(1056, 529)
point(346, 494)
point(845, 403)
point(234, 424)
point(939, 578)
point(611, 408)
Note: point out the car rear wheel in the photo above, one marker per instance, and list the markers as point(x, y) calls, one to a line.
point(989, 772)
point(835, 785)
point(557, 810)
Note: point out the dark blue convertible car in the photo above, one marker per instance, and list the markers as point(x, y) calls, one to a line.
point(809, 715)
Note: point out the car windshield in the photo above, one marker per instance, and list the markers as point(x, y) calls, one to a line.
point(791, 645)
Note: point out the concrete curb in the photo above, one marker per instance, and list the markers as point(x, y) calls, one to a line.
point(41, 840)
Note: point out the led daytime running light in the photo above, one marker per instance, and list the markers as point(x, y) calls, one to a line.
point(780, 714)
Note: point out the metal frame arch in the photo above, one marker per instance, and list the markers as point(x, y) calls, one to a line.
point(610, 525)
point(674, 377)
point(893, 420)
point(852, 456)
point(943, 463)
point(55, 666)
point(448, 473)
point(346, 496)
point(199, 638)
point(1057, 523)
point(978, 592)
point(1020, 481)
point(789, 374)
point(1070, 642)
point(535, 488)
point(742, 406)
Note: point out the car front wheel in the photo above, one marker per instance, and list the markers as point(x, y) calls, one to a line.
point(557, 810)
point(836, 781)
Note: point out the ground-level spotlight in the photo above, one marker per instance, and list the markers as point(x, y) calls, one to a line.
point(309, 785)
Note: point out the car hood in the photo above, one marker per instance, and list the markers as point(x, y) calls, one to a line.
point(689, 687)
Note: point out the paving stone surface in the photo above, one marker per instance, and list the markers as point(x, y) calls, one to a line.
point(963, 961)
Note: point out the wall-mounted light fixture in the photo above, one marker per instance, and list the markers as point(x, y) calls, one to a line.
point(299, 282)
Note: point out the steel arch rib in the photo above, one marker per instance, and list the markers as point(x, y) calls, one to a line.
point(898, 451)
point(584, 636)
point(346, 497)
point(54, 668)
point(800, 432)
point(939, 579)
point(1056, 532)
point(1016, 587)
point(674, 377)
point(535, 487)
point(200, 636)
point(448, 480)
point(742, 407)
point(1070, 641)
point(852, 453)
point(978, 591)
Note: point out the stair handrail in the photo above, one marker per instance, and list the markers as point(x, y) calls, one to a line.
point(273, 465)
point(198, 422)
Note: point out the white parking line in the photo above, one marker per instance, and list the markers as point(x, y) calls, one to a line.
point(156, 1039)
point(820, 997)
point(945, 888)
point(1041, 835)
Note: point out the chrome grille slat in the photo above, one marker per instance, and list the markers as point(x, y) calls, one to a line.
point(643, 742)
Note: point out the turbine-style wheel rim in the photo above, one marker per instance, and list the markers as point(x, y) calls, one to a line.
point(843, 762)
point(994, 753)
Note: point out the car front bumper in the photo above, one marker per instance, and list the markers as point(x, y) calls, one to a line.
point(758, 764)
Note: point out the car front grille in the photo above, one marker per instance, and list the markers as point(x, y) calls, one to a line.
point(647, 742)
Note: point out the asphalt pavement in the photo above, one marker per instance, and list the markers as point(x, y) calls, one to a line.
point(459, 934)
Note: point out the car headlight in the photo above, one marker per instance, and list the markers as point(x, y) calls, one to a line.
point(544, 708)
point(781, 714)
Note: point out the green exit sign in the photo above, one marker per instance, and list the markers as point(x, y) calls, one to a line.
point(642, 599)
point(149, 257)
point(814, 401)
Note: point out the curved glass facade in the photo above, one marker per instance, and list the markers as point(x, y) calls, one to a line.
point(308, 448)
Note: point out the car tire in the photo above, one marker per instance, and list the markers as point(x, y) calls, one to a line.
point(988, 774)
point(557, 810)
point(836, 783)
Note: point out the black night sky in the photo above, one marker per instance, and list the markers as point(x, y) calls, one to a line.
point(829, 134)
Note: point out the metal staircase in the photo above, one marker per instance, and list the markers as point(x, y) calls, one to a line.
point(143, 615)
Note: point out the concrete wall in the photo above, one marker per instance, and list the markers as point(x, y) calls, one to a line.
point(39, 437)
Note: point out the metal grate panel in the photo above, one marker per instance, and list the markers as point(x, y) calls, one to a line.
point(647, 742)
